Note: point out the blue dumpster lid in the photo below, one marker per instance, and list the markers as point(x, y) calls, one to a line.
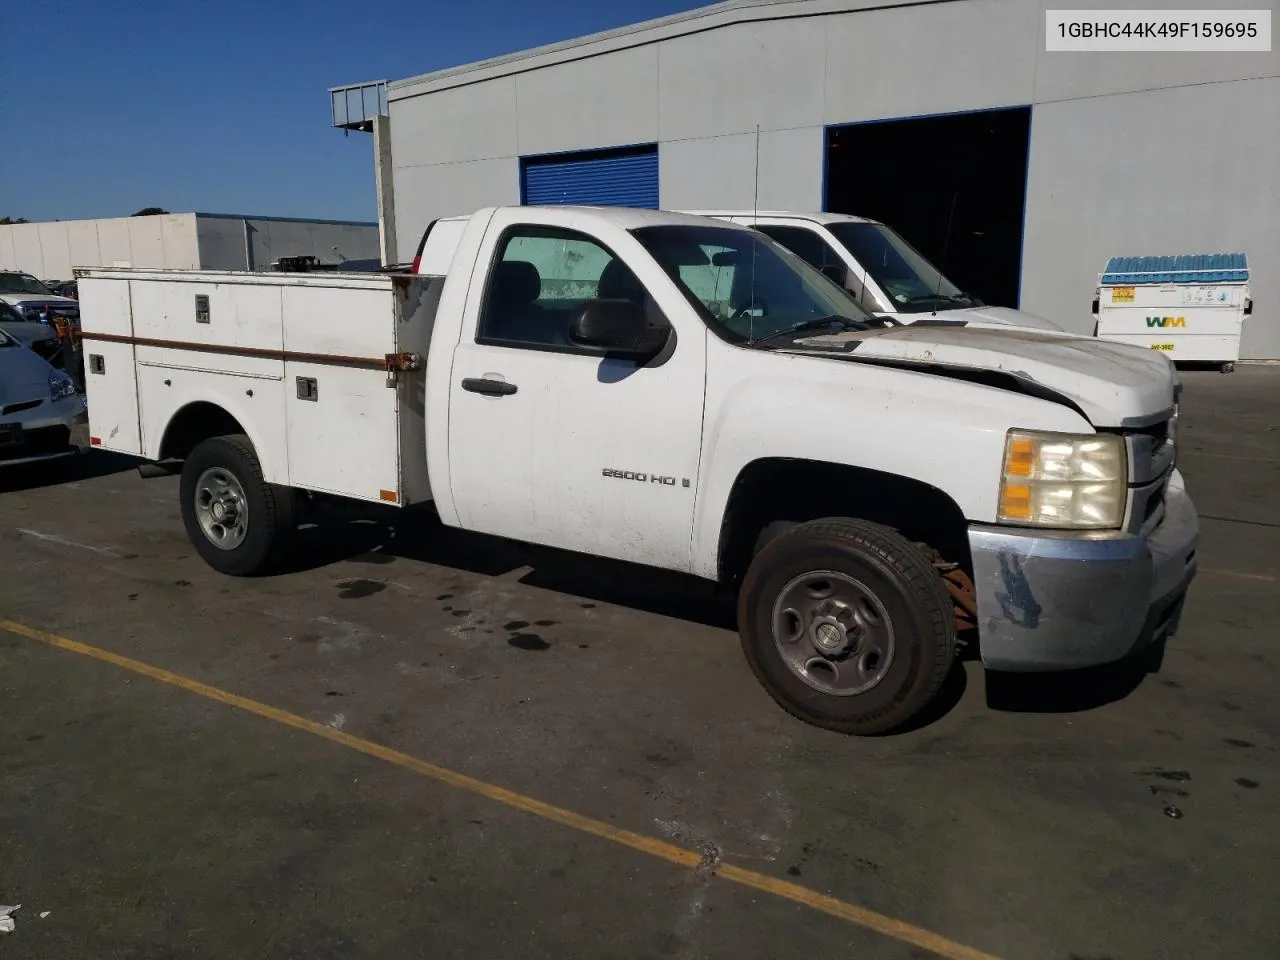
point(1185, 268)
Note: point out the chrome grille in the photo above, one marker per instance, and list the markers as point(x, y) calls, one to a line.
point(1152, 452)
point(68, 311)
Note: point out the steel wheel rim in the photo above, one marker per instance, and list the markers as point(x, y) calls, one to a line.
point(833, 633)
point(222, 509)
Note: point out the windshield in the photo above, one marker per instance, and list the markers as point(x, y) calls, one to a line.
point(746, 285)
point(912, 282)
point(21, 283)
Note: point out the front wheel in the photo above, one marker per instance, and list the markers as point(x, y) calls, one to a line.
point(847, 625)
point(236, 520)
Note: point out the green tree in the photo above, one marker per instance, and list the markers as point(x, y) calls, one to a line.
point(5, 221)
point(150, 211)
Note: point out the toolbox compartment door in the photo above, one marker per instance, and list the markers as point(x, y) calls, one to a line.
point(110, 376)
point(352, 430)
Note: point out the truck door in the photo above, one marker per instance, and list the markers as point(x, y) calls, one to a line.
point(550, 442)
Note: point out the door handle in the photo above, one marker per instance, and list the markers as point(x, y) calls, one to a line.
point(492, 388)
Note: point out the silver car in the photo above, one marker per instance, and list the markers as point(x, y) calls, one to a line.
point(34, 335)
point(39, 407)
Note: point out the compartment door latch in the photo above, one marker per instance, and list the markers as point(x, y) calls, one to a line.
point(398, 363)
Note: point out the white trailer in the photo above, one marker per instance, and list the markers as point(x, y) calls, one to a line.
point(683, 393)
point(1191, 308)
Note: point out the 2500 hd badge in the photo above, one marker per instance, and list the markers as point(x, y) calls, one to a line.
point(640, 477)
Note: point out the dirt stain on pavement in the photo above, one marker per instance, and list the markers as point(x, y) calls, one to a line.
point(528, 641)
point(359, 589)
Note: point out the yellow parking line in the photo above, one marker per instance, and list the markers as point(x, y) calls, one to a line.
point(870, 919)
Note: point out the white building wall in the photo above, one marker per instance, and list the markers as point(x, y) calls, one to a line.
point(718, 172)
point(113, 241)
point(1196, 171)
point(177, 241)
point(551, 114)
point(1130, 153)
point(426, 191)
point(916, 61)
point(222, 241)
point(52, 249)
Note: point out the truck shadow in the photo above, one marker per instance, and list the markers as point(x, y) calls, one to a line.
point(51, 473)
point(1073, 691)
point(345, 532)
point(339, 532)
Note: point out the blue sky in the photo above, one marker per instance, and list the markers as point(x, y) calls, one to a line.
point(108, 106)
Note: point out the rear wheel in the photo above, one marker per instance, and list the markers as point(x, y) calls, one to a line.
point(237, 521)
point(847, 625)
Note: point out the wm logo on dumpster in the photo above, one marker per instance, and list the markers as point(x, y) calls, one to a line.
point(1166, 322)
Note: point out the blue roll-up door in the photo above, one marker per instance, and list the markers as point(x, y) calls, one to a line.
point(613, 178)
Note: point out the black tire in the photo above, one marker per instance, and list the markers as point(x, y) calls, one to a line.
point(270, 507)
point(899, 576)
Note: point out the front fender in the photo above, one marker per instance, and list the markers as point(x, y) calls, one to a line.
point(946, 433)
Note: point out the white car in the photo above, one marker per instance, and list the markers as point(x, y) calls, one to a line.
point(39, 407)
point(34, 301)
point(887, 275)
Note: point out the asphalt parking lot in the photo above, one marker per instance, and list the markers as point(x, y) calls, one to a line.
point(633, 792)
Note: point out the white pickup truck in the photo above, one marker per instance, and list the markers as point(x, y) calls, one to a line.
point(683, 393)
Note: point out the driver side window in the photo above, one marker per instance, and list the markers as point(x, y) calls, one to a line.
point(541, 278)
point(711, 278)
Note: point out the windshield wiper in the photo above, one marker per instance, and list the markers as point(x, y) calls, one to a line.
point(961, 298)
point(819, 323)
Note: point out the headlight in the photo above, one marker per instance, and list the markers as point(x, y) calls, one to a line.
point(1063, 480)
point(60, 386)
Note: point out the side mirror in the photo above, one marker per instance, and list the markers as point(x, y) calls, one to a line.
point(836, 272)
point(620, 328)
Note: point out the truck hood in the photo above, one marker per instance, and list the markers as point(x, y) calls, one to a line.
point(983, 316)
point(1112, 384)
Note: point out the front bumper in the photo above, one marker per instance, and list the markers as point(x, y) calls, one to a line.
point(1051, 601)
point(47, 432)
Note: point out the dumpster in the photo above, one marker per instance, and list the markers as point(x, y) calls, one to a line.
point(1191, 307)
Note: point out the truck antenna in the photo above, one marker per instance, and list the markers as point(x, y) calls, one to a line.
point(946, 245)
point(755, 185)
point(755, 212)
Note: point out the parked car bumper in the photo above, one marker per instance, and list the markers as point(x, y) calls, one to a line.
point(1059, 602)
point(46, 433)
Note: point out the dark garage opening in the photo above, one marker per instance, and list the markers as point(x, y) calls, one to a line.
point(908, 173)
